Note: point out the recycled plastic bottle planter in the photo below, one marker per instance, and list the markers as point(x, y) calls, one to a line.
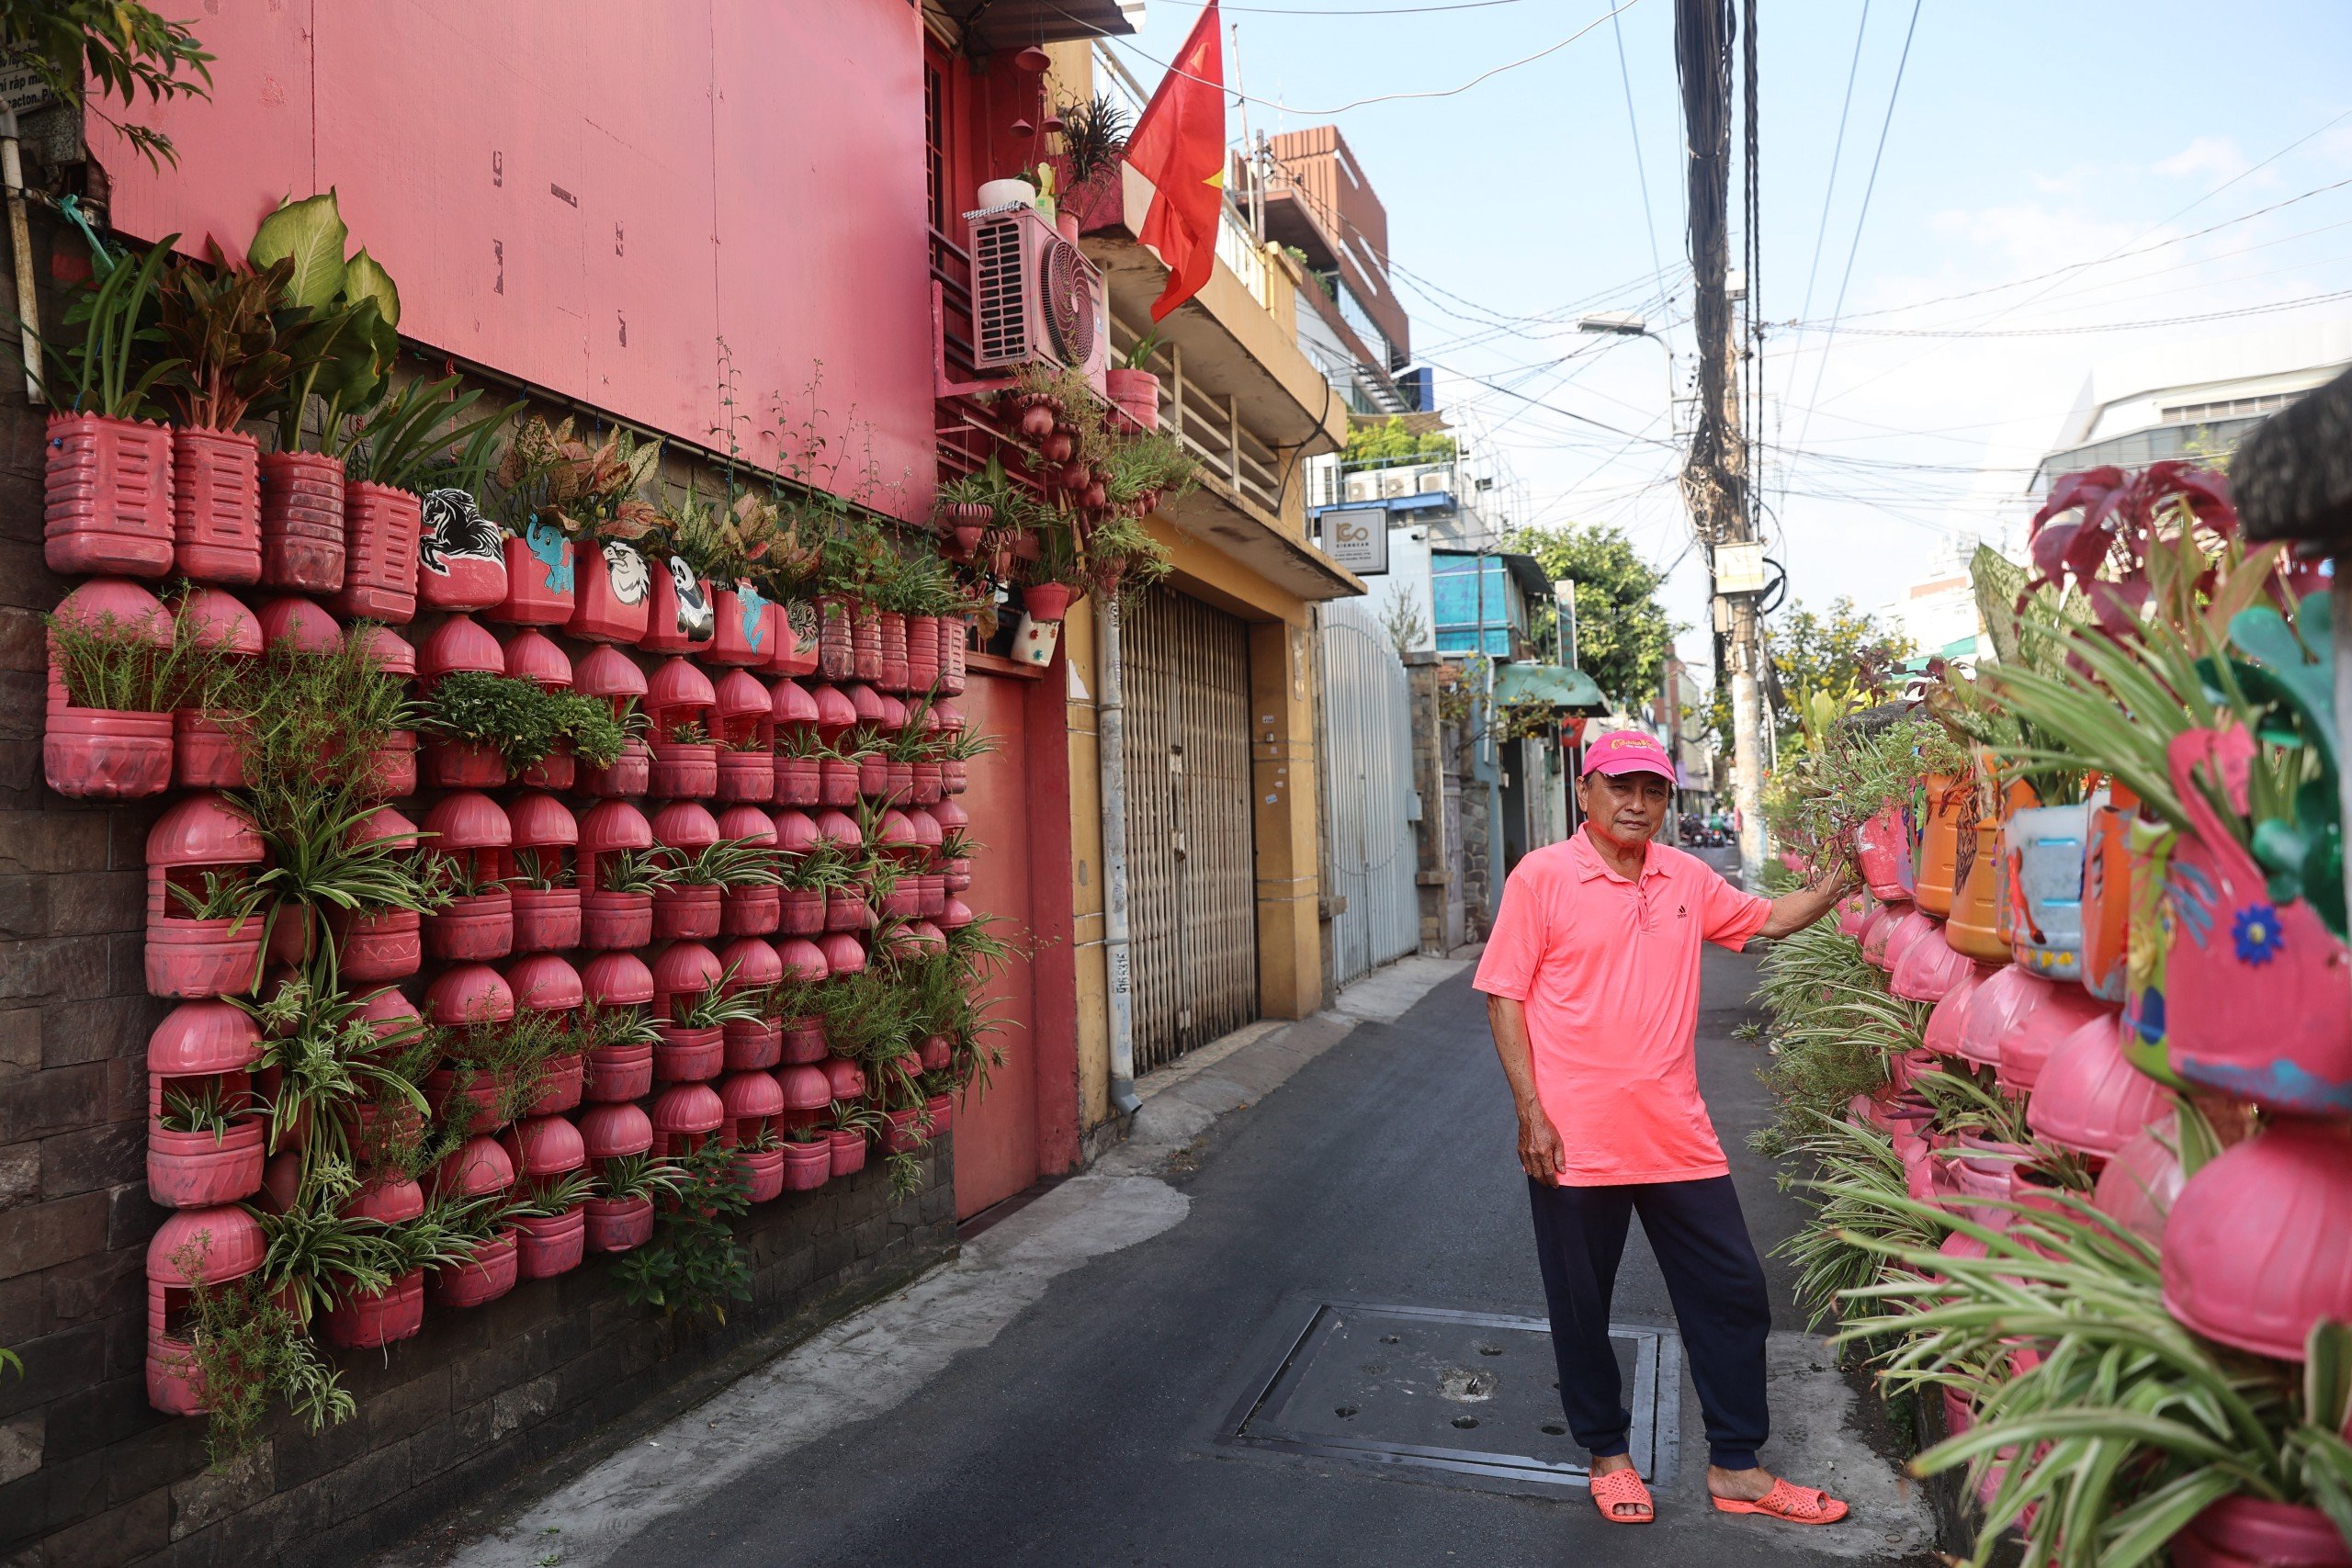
point(688, 1056)
point(470, 828)
point(866, 642)
point(2044, 846)
point(1882, 850)
point(492, 1271)
point(744, 715)
point(756, 1043)
point(381, 526)
point(613, 592)
point(2107, 894)
point(481, 1090)
point(108, 753)
point(807, 1165)
point(1996, 1009)
point(2040, 1031)
point(206, 754)
point(370, 1321)
point(204, 1048)
point(302, 522)
point(617, 1224)
point(2137, 1187)
point(744, 626)
point(848, 1150)
point(2259, 1245)
point(2090, 1098)
point(686, 1116)
point(391, 767)
point(679, 701)
point(890, 636)
point(941, 1107)
point(954, 644)
point(199, 835)
point(388, 944)
point(2148, 947)
point(836, 652)
point(902, 1136)
point(610, 921)
point(107, 497)
point(679, 618)
point(216, 506)
point(2254, 991)
point(752, 910)
point(563, 1081)
point(547, 1245)
point(611, 1131)
point(546, 919)
point(541, 579)
point(794, 650)
point(1879, 934)
point(1929, 967)
point(684, 910)
point(460, 561)
point(2253, 1532)
point(209, 1247)
point(1938, 881)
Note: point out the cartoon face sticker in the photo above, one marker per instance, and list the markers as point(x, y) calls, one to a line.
point(452, 528)
point(626, 570)
point(695, 622)
point(544, 541)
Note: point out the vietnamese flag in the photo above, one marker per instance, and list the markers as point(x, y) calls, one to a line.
point(1179, 146)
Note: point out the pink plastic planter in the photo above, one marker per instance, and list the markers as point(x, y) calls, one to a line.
point(2038, 1031)
point(2259, 1245)
point(1995, 1009)
point(1929, 968)
point(2089, 1098)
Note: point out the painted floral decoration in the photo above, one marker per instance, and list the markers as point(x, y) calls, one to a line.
point(2258, 935)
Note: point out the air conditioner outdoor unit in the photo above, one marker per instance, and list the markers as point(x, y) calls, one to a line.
point(1394, 484)
point(1364, 486)
point(1434, 481)
point(1035, 297)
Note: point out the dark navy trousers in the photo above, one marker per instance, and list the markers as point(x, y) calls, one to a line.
point(1700, 1239)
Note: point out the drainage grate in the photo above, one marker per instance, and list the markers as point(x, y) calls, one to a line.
point(1470, 1393)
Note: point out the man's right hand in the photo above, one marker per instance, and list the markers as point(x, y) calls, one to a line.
point(1540, 1154)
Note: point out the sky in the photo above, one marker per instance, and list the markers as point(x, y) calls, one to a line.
point(2023, 139)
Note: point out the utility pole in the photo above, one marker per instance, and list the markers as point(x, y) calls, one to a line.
point(1715, 474)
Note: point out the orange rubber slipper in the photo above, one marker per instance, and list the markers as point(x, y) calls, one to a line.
point(1623, 1489)
point(1796, 1505)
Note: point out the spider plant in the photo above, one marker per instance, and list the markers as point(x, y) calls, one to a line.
point(715, 1005)
point(689, 732)
point(403, 436)
point(557, 1195)
point(327, 1055)
point(610, 1025)
point(730, 862)
point(212, 1109)
point(635, 871)
point(223, 896)
point(638, 1176)
point(542, 874)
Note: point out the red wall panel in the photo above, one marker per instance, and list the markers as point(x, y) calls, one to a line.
point(590, 195)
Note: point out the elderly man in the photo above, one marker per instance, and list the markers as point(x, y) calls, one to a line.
point(1592, 990)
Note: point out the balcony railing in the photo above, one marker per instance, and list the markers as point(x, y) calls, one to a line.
point(1236, 247)
point(1210, 427)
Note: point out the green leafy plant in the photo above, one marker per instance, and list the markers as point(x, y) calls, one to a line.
point(219, 895)
point(401, 441)
point(715, 1005)
point(114, 49)
point(234, 346)
point(541, 874)
point(547, 476)
point(689, 732)
point(694, 1264)
point(730, 863)
point(107, 663)
point(351, 312)
point(328, 1057)
point(248, 1350)
point(1094, 135)
point(520, 719)
point(109, 353)
point(557, 1195)
point(634, 871)
point(211, 1109)
point(626, 1177)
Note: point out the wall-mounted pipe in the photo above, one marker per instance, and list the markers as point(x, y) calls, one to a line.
point(20, 237)
point(1111, 755)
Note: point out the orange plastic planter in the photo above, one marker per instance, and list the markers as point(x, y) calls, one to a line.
point(1937, 882)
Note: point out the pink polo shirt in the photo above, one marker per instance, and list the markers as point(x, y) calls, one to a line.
point(1609, 971)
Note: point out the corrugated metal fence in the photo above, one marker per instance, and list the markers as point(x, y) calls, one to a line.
point(1368, 784)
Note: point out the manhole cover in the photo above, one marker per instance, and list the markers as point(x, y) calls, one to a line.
point(1471, 1392)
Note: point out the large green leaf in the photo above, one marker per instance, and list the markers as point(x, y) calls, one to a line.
point(310, 234)
point(364, 277)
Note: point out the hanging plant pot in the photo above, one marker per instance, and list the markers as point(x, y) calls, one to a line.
point(922, 653)
point(381, 524)
point(2253, 1532)
point(848, 1151)
point(2231, 945)
point(941, 1107)
point(107, 754)
point(460, 554)
point(302, 522)
point(797, 781)
point(618, 1073)
point(541, 578)
point(794, 651)
point(391, 767)
point(838, 782)
point(2261, 1286)
point(216, 506)
point(686, 911)
point(2107, 894)
point(901, 1137)
point(2044, 846)
point(684, 771)
point(563, 1081)
point(473, 929)
point(371, 1320)
point(1137, 394)
point(955, 642)
point(1047, 601)
point(1937, 882)
point(847, 911)
point(801, 911)
point(200, 1169)
point(205, 754)
point(107, 497)
point(453, 763)
point(630, 776)
point(804, 1043)
point(489, 1274)
point(688, 1056)
point(613, 593)
point(686, 1116)
point(744, 630)
point(679, 618)
point(388, 946)
point(481, 1092)
point(613, 921)
point(836, 650)
point(2090, 1098)
point(2038, 1032)
point(617, 1224)
point(1034, 642)
point(547, 1246)
point(891, 633)
point(763, 1173)
point(1882, 851)
point(546, 919)
point(866, 642)
point(1996, 1007)
point(2137, 1188)
point(808, 1165)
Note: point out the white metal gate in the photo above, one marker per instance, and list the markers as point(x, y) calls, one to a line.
point(1368, 791)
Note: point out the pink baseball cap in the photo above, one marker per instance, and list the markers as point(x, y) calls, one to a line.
point(1627, 752)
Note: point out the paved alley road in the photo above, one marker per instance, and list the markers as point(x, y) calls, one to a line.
point(1066, 1419)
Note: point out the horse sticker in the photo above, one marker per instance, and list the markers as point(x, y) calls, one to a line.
point(453, 529)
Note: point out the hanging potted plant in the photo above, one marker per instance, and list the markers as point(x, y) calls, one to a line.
point(235, 346)
point(1133, 387)
point(686, 544)
point(107, 472)
point(343, 359)
point(620, 1216)
point(117, 671)
point(415, 441)
point(621, 1039)
point(477, 724)
point(570, 512)
point(965, 507)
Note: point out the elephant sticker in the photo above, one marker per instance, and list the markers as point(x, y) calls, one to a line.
point(545, 543)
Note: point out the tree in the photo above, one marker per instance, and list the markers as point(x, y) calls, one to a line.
point(1841, 650)
point(1623, 634)
point(1391, 441)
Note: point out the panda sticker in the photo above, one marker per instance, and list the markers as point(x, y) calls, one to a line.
point(695, 622)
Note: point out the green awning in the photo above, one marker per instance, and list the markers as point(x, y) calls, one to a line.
point(1556, 685)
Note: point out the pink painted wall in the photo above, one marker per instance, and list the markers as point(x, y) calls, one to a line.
point(591, 195)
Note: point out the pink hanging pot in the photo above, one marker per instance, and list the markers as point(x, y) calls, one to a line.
point(488, 1275)
point(613, 592)
point(848, 1151)
point(302, 522)
point(547, 1245)
point(372, 1320)
point(808, 1165)
point(2088, 1098)
point(1882, 849)
point(1944, 1021)
point(2260, 1286)
point(460, 557)
point(2038, 1031)
point(617, 1224)
point(2254, 998)
point(107, 497)
point(2142, 1178)
point(2253, 1532)
point(541, 578)
point(1996, 1009)
point(1928, 968)
point(379, 562)
point(216, 506)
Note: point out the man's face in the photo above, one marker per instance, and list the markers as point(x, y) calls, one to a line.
point(1626, 808)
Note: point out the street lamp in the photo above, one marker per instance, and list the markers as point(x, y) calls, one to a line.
point(1629, 323)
